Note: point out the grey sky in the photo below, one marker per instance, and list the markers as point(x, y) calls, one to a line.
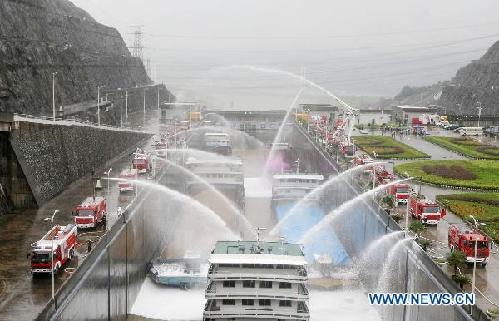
point(350, 47)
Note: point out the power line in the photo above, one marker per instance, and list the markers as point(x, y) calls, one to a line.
point(430, 30)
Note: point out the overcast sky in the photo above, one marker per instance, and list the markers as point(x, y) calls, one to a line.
point(350, 47)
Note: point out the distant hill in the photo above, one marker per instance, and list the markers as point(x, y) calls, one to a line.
point(39, 37)
point(478, 81)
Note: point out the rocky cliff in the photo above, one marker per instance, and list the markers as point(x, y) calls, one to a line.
point(40, 37)
point(476, 82)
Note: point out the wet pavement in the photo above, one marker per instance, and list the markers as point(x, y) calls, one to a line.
point(22, 297)
point(487, 278)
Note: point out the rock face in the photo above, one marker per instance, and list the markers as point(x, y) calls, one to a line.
point(476, 82)
point(54, 156)
point(40, 37)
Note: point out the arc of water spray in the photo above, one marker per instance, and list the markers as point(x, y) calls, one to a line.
point(295, 76)
point(293, 210)
point(202, 209)
point(277, 138)
point(334, 214)
point(212, 188)
point(376, 244)
point(383, 281)
point(305, 80)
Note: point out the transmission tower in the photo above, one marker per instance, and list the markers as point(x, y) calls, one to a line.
point(137, 48)
point(148, 67)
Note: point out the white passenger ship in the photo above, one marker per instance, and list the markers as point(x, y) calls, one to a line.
point(218, 142)
point(294, 186)
point(249, 280)
point(217, 172)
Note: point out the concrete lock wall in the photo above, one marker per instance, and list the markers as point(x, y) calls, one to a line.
point(106, 284)
point(15, 191)
point(52, 156)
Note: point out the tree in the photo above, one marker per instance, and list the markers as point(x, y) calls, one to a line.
point(389, 201)
point(456, 259)
point(417, 227)
point(397, 217)
point(424, 243)
point(461, 279)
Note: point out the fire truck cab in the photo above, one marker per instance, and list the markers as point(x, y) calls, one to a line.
point(463, 238)
point(425, 211)
point(400, 192)
point(90, 212)
point(128, 174)
point(58, 244)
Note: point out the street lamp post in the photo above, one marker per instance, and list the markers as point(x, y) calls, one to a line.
point(98, 104)
point(126, 107)
point(144, 106)
point(474, 259)
point(53, 95)
point(479, 107)
point(51, 219)
point(158, 96)
point(121, 108)
point(108, 173)
point(406, 211)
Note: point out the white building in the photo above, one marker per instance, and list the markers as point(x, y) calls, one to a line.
point(405, 114)
point(250, 280)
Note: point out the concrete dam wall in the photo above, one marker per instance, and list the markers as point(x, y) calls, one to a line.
point(52, 156)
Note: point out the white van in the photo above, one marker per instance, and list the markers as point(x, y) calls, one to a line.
point(470, 131)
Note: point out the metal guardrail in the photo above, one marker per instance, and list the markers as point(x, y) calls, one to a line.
point(254, 276)
point(81, 122)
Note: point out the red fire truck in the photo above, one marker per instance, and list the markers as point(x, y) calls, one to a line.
point(362, 159)
point(59, 243)
point(128, 175)
point(463, 238)
point(90, 212)
point(400, 192)
point(426, 211)
point(383, 176)
point(141, 162)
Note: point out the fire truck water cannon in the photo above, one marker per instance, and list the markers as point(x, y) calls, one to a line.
point(91, 212)
point(59, 243)
point(425, 211)
point(463, 238)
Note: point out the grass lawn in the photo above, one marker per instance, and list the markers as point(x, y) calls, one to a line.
point(483, 206)
point(387, 148)
point(479, 174)
point(466, 146)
